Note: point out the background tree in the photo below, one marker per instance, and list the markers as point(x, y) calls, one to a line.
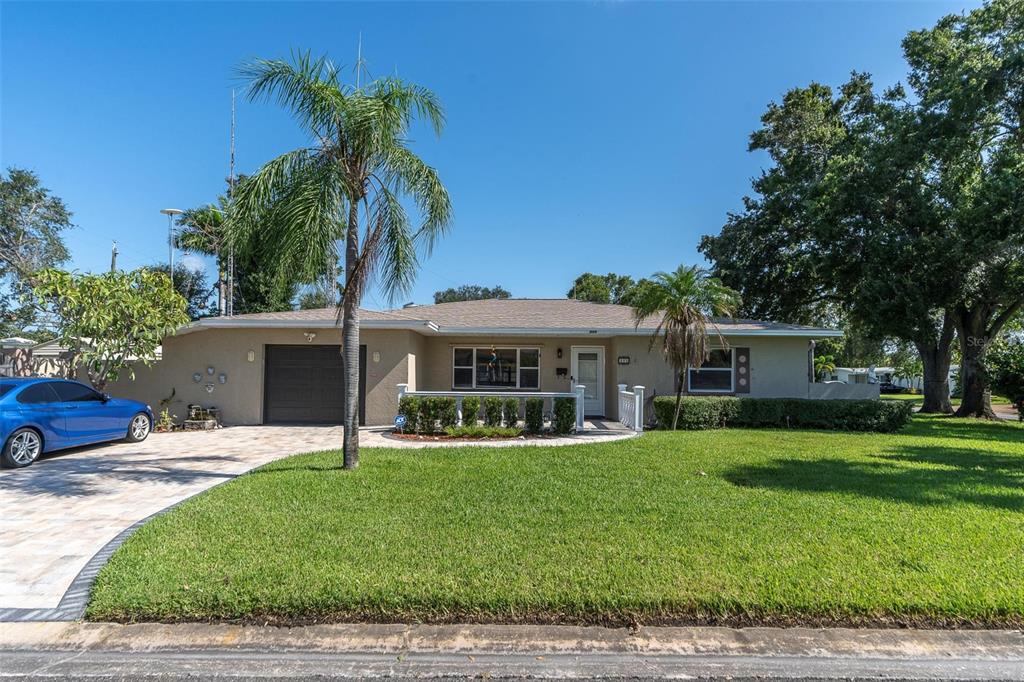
point(903, 212)
point(610, 288)
point(258, 285)
point(191, 285)
point(1005, 369)
point(32, 223)
point(684, 301)
point(347, 184)
point(202, 230)
point(824, 365)
point(470, 292)
point(968, 74)
point(907, 365)
point(111, 321)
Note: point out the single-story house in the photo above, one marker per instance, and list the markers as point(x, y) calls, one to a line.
point(286, 366)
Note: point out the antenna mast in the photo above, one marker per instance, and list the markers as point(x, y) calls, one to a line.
point(231, 199)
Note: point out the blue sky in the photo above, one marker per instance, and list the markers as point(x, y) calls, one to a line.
point(601, 136)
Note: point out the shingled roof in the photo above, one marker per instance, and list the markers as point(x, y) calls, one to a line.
point(508, 316)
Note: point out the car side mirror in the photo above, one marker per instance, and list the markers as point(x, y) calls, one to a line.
point(105, 397)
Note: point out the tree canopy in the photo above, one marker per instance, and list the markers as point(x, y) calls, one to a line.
point(470, 292)
point(610, 288)
point(32, 223)
point(113, 320)
point(902, 214)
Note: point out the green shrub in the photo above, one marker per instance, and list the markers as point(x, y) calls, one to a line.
point(534, 415)
point(511, 410)
point(409, 407)
point(447, 415)
point(492, 411)
point(565, 416)
point(428, 415)
point(470, 410)
point(716, 412)
point(478, 431)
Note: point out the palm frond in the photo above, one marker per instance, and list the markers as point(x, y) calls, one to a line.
point(309, 88)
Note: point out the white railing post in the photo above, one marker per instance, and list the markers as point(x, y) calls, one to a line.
point(638, 405)
point(579, 406)
point(458, 410)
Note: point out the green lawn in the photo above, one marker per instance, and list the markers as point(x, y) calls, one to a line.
point(733, 526)
point(917, 398)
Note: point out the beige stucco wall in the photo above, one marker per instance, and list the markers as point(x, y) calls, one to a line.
point(778, 367)
point(241, 398)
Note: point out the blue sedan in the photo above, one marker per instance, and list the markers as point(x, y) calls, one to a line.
point(43, 415)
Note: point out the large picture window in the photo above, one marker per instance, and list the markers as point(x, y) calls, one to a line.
point(496, 368)
point(715, 375)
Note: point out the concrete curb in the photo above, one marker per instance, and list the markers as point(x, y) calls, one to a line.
point(984, 645)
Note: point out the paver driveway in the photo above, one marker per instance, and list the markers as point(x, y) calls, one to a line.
point(59, 512)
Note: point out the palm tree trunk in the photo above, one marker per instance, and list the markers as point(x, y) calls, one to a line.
point(679, 402)
point(350, 341)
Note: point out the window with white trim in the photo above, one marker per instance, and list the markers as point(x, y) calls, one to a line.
point(715, 375)
point(496, 368)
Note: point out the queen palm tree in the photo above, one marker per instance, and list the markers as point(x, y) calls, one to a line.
point(685, 302)
point(347, 184)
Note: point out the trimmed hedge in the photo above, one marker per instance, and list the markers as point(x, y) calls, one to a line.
point(409, 407)
point(565, 416)
point(511, 410)
point(470, 410)
point(534, 415)
point(492, 411)
point(696, 413)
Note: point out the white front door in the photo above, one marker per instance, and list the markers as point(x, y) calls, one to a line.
point(588, 370)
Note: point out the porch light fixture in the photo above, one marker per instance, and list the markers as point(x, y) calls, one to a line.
point(251, 356)
point(376, 356)
point(558, 352)
point(309, 336)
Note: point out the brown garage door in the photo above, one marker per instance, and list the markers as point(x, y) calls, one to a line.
point(306, 384)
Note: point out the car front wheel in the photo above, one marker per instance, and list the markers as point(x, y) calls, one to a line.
point(22, 448)
point(138, 428)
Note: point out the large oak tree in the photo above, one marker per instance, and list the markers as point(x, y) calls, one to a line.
point(902, 213)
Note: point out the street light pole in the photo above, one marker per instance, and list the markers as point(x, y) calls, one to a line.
point(170, 213)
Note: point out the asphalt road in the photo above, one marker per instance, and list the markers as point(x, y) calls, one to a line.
point(239, 665)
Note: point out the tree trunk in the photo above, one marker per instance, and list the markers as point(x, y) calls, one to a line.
point(936, 357)
point(679, 400)
point(974, 341)
point(350, 341)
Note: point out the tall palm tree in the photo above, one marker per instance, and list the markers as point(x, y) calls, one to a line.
point(685, 302)
point(348, 185)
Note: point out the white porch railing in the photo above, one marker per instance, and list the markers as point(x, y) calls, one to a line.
point(577, 395)
point(631, 407)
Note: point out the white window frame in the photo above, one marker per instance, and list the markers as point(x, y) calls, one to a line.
point(731, 370)
point(519, 367)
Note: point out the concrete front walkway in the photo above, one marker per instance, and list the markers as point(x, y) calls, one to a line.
point(65, 514)
point(200, 652)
